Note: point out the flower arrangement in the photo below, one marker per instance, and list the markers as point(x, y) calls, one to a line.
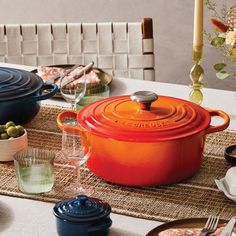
point(223, 36)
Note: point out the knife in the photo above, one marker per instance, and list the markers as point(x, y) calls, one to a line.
point(229, 227)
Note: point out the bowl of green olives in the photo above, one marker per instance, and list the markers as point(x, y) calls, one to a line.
point(13, 138)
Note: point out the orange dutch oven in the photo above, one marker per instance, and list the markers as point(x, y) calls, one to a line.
point(144, 139)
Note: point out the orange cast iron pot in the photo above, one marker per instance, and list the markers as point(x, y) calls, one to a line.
point(145, 139)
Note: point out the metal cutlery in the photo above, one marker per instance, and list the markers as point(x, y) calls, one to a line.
point(210, 226)
point(229, 227)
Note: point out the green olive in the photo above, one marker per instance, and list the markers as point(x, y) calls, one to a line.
point(4, 127)
point(2, 130)
point(4, 136)
point(20, 129)
point(9, 124)
point(12, 131)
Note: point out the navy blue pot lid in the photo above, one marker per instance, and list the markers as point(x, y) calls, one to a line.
point(15, 83)
point(82, 209)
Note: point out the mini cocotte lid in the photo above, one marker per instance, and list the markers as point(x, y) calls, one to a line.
point(82, 209)
point(143, 117)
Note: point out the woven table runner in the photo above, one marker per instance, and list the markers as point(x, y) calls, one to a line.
point(197, 196)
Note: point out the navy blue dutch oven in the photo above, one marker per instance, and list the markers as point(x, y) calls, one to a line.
point(82, 216)
point(20, 92)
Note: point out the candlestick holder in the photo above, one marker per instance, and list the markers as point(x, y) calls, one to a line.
point(196, 76)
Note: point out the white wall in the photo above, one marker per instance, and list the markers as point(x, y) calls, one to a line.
point(173, 27)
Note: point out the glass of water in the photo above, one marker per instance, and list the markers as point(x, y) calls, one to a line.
point(34, 170)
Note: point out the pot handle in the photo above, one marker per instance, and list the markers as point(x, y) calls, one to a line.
point(52, 87)
point(68, 115)
point(222, 114)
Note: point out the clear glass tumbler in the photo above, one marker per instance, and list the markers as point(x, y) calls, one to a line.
point(34, 170)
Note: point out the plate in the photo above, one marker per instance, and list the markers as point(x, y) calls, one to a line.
point(104, 77)
point(183, 223)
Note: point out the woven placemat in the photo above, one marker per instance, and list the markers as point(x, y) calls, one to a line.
point(195, 197)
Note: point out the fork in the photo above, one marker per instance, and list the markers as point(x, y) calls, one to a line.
point(210, 226)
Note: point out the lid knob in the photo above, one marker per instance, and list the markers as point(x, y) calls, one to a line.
point(144, 99)
point(82, 199)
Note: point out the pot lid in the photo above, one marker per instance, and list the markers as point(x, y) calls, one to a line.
point(143, 117)
point(15, 83)
point(82, 209)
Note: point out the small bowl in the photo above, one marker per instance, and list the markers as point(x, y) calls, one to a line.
point(230, 154)
point(82, 216)
point(230, 179)
point(9, 147)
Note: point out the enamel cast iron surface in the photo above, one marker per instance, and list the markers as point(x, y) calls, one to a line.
point(19, 92)
point(15, 84)
point(125, 119)
point(82, 216)
point(145, 139)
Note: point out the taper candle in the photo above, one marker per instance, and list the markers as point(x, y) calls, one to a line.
point(198, 25)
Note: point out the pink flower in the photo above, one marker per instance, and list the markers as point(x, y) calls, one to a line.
point(230, 37)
